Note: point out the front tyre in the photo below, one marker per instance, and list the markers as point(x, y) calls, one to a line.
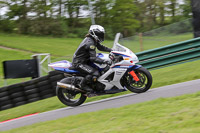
point(144, 83)
point(69, 97)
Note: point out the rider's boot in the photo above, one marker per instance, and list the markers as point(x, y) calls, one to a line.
point(84, 85)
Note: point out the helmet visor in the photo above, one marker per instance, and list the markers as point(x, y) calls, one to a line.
point(100, 36)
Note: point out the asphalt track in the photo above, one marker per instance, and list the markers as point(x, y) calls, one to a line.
point(114, 102)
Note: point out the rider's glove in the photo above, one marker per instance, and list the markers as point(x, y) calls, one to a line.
point(108, 62)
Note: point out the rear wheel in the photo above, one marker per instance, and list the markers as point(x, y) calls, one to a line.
point(69, 97)
point(144, 83)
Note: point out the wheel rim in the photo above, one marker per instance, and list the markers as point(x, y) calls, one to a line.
point(71, 96)
point(141, 84)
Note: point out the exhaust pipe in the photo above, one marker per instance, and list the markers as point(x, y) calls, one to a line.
point(69, 87)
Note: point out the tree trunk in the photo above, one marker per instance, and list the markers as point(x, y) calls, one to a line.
point(60, 8)
point(196, 17)
point(44, 9)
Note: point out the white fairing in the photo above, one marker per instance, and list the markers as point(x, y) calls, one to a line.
point(116, 80)
point(119, 68)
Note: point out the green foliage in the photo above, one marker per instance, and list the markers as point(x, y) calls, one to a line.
point(186, 8)
point(122, 16)
point(80, 32)
point(48, 26)
point(181, 27)
point(7, 26)
point(68, 17)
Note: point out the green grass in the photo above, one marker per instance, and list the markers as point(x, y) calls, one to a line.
point(164, 115)
point(151, 42)
point(67, 46)
point(161, 77)
point(54, 46)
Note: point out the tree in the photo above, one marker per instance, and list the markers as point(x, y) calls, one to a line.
point(102, 11)
point(123, 17)
point(172, 7)
point(18, 10)
point(161, 11)
point(186, 9)
point(73, 8)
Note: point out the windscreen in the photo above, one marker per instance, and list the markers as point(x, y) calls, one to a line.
point(118, 47)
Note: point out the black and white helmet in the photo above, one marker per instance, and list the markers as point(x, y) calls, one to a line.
point(97, 32)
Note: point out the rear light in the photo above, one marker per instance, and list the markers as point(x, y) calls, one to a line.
point(131, 61)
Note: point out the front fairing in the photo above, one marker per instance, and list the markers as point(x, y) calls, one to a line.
point(129, 58)
point(127, 54)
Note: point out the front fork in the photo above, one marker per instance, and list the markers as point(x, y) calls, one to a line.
point(135, 77)
point(132, 72)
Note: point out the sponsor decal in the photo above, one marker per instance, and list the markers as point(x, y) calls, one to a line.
point(92, 47)
point(118, 73)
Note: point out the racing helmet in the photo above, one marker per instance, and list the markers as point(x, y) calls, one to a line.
point(97, 32)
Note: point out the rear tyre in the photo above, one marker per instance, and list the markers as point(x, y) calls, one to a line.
point(144, 83)
point(69, 97)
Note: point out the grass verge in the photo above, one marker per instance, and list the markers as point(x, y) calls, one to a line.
point(165, 115)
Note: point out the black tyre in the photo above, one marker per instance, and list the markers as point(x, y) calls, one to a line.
point(46, 87)
point(4, 98)
point(2, 103)
point(3, 89)
point(54, 84)
point(32, 91)
point(19, 99)
point(29, 83)
point(15, 90)
point(32, 96)
point(34, 99)
point(36, 80)
point(45, 92)
point(6, 106)
point(5, 93)
point(144, 83)
point(20, 103)
point(56, 77)
point(18, 85)
point(47, 96)
point(17, 94)
point(69, 97)
point(30, 87)
point(42, 83)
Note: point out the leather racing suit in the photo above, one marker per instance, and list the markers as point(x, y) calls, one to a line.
point(86, 53)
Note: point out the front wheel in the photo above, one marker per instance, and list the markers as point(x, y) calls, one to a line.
point(69, 97)
point(144, 83)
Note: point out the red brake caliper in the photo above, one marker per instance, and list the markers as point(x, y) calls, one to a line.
point(135, 77)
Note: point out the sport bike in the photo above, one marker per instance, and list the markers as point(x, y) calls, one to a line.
point(122, 75)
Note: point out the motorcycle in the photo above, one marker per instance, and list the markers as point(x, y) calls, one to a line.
point(122, 75)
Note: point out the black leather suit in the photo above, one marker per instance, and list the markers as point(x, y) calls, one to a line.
point(86, 53)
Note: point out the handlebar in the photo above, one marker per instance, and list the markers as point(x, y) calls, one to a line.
point(115, 58)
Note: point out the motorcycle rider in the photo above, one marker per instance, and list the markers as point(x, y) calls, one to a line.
point(86, 52)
